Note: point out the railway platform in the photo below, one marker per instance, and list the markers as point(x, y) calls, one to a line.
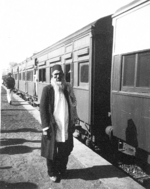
point(22, 167)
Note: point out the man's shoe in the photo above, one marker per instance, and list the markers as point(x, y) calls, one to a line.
point(62, 173)
point(10, 103)
point(53, 178)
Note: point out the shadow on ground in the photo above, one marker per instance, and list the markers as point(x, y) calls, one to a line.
point(11, 150)
point(8, 167)
point(21, 130)
point(20, 185)
point(15, 141)
point(7, 110)
point(94, 173)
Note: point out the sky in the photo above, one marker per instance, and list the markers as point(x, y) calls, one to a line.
point(29, 26)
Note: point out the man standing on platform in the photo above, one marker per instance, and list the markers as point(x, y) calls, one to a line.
point(10, 84)
point(58, 119)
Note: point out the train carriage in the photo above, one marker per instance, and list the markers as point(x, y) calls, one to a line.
point(42, 74)
point(22, 78)
point(16, 76)
point(85, 57)
point(130, 80)
point(29, 81)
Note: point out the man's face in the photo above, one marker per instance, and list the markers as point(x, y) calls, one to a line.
point(57, 75)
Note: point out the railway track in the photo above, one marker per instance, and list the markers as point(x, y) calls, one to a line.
point(135, 168)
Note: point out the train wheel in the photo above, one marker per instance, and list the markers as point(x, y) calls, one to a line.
point(88, 143)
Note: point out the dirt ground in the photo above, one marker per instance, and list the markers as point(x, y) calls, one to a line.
point(21, 166)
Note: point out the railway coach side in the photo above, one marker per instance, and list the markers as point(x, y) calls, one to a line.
point(22, 78)
point(130, 87)
point(29, 83)
point(85, 57)
point(15, 71)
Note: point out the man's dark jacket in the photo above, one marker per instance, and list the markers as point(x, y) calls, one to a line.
point(10, 83)
point(46, 111)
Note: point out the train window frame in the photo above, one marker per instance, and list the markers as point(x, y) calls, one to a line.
point(15, 76)
point(42, 75)
point(83, 84)
point(139, 75)
point(50, 71)
point(68, 72)
point(23, 76)
point(133, 88)
point(20, 76)
point(29, 75)
point(125, 74)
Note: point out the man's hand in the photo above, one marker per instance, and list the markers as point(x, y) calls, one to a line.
point(45, 130)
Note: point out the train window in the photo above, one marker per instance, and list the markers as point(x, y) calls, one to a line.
point(16, 76)
point(136, 72)
point(67, 72)
point(50, 72)
point(83, 74)
point(128, 70)
point(42, 75)
point(30, 76)
point(23, 76)
point(19, 76)
point(143, 70)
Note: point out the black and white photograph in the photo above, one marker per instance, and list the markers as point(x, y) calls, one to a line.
point(75, 94)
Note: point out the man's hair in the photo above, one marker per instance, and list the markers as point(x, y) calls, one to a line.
point(9, 74)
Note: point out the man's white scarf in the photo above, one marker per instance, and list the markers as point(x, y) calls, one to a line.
point(61, 113)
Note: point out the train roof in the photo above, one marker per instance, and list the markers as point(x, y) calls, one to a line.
point(129, 6)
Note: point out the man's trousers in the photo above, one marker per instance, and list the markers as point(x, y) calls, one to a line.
point(59, 163)
point(9, 95)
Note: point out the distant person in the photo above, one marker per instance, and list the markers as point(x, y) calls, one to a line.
point(10, 84)
point(57, 107)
